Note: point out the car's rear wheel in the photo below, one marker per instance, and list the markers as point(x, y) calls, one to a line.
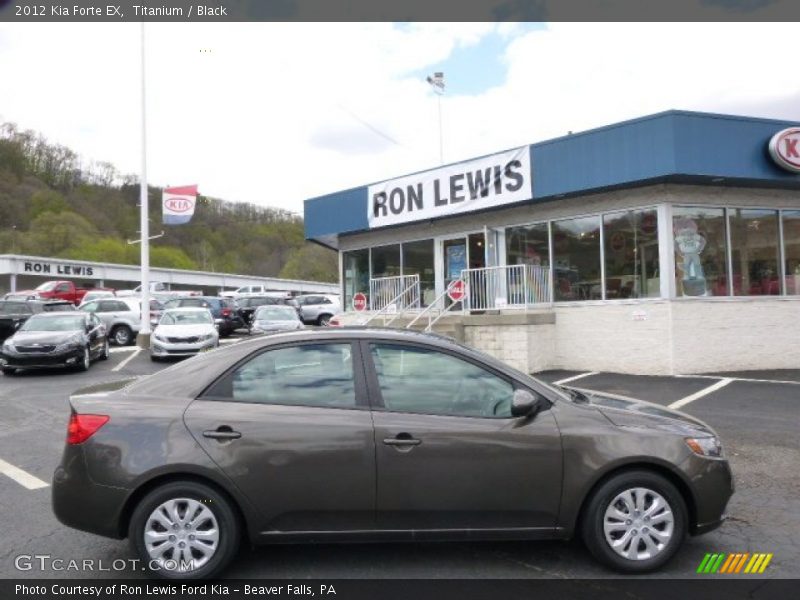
point(122, 335)
point(323, 320)
point(635, 522)
point(184, 530)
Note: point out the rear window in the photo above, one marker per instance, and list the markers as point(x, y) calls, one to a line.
point(14, 308)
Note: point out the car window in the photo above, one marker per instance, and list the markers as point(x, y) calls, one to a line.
point(89, 307)
point(192, 302)
point(94, 320)
point(422, 380)
point(125, 307)
point(14, 308)
point(62, 287)
point(104, 306)
point(303, 375)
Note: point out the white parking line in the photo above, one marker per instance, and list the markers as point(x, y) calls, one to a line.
point(127, 360)
point(26, 480)
point(746, 379)
point(574, 377)
point(705, 391)
point(123, 349)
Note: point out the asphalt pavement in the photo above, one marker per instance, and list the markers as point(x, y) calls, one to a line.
point(757, 419)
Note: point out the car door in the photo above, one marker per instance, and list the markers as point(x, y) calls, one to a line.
point(449, 454)
point(95, 330)
point(291, 428)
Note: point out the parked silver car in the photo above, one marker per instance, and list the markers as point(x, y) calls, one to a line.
point(318, 308)
point(272, 318)
point(183, 332)
point(121, 316)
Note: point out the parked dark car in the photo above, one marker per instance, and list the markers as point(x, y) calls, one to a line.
point(223, 310)
point(55, 339)
point(247, 305)
point(13, 313)
point(369, 434)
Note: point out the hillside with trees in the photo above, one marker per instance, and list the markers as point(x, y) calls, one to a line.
point(54, 204)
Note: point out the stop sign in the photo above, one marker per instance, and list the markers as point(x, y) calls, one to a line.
point(360, 302)
point(456, 290)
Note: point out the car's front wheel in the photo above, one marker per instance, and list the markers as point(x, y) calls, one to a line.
point(8, 371)
point(184, 530)
point(635, 521)
point(106, 351)
point(324, 320)
point(85, 361)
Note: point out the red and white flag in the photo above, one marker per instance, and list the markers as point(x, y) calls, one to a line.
point(178, 204)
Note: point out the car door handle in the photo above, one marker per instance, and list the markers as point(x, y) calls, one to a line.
point(402, 440)
point(222, 433)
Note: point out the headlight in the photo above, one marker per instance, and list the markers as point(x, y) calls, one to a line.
point(705, 446)
point(208, 336)
point(8, 345)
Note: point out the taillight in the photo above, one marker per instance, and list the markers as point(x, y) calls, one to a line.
point(82, 427)
point(226, 312)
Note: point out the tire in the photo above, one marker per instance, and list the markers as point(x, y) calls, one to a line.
point(86, 361)
point(106, 350)
point(323, 320)
point(8, 371)
point(122, 335)
point(155, 358)
point(661, 538)
point(180, 494)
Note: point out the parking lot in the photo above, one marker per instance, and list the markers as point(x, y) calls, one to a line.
point(757, 414)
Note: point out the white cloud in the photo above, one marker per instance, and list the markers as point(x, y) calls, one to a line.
point(276, 113)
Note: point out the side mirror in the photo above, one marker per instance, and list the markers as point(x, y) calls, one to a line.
point(525, 404)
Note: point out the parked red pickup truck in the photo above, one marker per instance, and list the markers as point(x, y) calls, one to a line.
point(59, 290)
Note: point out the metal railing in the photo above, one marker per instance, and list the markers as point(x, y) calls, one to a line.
point(435, 306)
point(401, 291)
point(511, 286)
point(396, 306)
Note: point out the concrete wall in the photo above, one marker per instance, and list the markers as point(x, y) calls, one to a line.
point(657, 337)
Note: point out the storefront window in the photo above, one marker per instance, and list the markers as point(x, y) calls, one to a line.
point(631, 254)
point(386, 261)
point(418, 260)
point(576, 259)
point(700, 260)
point(754, 252)
point(528, 245)
point(791, 244)
point(356, 274)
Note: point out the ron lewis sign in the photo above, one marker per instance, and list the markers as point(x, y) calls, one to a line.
point(478, 184)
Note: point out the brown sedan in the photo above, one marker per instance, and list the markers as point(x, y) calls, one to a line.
point(369, 434)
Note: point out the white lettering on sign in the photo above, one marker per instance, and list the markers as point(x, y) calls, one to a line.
point(478, 184)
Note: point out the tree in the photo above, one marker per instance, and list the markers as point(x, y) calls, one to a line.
point(312, 262)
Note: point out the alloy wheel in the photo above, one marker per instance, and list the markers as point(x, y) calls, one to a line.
point(181, 535)
point(638, 524)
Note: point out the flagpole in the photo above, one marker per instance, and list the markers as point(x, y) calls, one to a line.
point(144, 331)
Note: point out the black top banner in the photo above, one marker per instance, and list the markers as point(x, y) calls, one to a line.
point(398, 10)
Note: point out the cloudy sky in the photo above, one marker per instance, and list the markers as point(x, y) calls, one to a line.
point(277, 113)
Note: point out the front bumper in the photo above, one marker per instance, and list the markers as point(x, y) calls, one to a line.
point(158, 348)
point(712, 486)
point(44, 360)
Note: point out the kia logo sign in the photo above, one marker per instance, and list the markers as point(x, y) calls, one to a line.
point(177, 204)
point(784, 147)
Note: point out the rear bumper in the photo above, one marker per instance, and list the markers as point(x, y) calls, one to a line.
point(80, 503)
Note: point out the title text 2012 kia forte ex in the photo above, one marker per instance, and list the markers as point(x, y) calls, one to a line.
point(370, 434)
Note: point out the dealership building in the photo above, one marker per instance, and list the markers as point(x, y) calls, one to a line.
point(667, 244)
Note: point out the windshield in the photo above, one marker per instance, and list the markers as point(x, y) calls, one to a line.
point(194, 317)
point(276, 313)
point(54, 323)
point(46, 287)
point(14, 308)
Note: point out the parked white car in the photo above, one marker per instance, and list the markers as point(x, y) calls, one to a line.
point(183, 332)
point(275, 317)
point(318, 308)
point(121, 316)
point(159, 290)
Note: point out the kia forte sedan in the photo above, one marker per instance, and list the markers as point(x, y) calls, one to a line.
point(369, 435)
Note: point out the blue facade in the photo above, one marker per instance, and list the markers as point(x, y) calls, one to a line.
point(671, 146)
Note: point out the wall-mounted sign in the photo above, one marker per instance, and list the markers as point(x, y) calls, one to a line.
point(478, 184)
point(784, 147)
point(43, 268)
